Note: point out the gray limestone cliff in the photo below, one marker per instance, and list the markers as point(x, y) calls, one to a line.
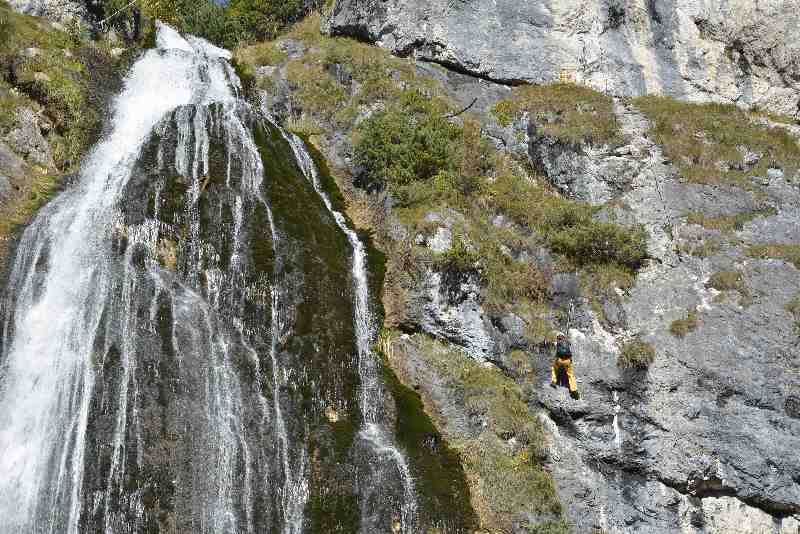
point(739, 51)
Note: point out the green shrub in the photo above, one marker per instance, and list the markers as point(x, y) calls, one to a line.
point(681, 327)
point(259, 20)
point(568, 227)
point(697, 137)
point(509, 282)
point(459, 259)
point(239, 21)
point(569, 112)
point(636, 354)
point(407, 142)
point(599, 242)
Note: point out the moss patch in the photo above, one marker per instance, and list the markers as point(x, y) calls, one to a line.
point(505, 477)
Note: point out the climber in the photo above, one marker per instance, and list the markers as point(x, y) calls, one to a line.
point(561, 373)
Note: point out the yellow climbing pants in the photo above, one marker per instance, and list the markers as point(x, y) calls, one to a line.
point(564, 365)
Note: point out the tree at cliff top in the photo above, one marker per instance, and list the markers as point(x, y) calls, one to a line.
point(225, 25)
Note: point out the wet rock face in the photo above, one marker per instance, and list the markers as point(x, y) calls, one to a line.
point(704, 440)
point(712, 50)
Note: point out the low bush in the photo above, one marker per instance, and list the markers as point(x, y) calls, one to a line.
point(568, 227)
point(636, 354)
point(409, 141)
point(601, 243)
point(459, 259)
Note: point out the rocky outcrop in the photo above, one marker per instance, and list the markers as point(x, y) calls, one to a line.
point(738, 51)
point(704, 440)
point(447, 305)
point(27, 138)
point(60, 11)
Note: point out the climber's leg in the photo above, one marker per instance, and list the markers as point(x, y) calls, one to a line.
point(573, 384)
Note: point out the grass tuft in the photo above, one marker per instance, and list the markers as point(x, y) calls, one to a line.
point(787, 253)
point(707, 141)
point(636, 354)
point(681, 327)
point(727, 281)
point(571, 113)
point(727, 223)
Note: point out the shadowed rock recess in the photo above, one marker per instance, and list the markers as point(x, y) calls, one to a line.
point(187, 337)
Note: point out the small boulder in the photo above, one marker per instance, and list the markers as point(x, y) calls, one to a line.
point(266, 71)
point(26, 139)
point(442, 240)
point(749, 158)
point(293, 49)
point(774, 173)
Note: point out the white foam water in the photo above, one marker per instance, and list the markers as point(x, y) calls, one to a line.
point(47, 374)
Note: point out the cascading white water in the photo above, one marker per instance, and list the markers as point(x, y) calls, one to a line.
point(371, 391)
point(48, 375)
point(146, 377)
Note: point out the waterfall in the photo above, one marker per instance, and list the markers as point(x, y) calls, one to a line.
point(371, 398)
point(177, 324)
point(47, 369)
